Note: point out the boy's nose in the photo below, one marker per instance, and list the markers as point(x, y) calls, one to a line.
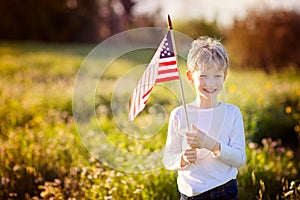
point(210, 82)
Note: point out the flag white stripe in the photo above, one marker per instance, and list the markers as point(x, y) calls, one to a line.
point(168, 75)
point(167, 59)
point(142, 92)
point(145, 84)
point(167, 67)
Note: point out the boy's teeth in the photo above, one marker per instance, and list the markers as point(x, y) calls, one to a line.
point(207, 90)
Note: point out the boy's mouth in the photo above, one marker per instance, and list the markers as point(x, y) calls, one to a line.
point(209, 91)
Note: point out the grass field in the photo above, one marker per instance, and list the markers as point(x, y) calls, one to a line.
point(42, 155)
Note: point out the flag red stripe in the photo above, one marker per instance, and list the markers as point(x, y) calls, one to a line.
point(167, 71)
point(138, 102)
point(161, 68)
point(167, 63)
point(147, 93)
point(171, 78)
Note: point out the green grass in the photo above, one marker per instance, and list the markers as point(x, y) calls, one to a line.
point(42, 156)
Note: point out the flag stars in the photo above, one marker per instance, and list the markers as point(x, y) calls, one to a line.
point(166, 48)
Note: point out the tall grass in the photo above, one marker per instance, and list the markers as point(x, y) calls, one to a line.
point(42, 156)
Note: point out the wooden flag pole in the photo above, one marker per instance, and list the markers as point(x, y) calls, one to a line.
point(180, 81)
point(170, 26)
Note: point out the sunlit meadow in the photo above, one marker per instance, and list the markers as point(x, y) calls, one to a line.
point(42, 156)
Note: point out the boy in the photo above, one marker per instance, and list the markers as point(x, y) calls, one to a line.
point(207, 156)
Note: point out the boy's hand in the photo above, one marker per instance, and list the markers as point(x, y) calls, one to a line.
point(198, 139)
point(189, 156)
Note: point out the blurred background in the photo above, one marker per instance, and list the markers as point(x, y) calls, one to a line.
point(44, 42)
point(270, 27)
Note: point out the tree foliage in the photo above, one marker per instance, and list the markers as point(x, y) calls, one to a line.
point(198, 27)
point(266, 39)
point(63, 20)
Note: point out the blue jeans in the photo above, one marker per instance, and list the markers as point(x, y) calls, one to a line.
point(227, 191)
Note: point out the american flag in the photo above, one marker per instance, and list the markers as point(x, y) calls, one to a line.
point(162, 68)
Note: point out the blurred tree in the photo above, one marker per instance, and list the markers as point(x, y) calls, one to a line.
point(116, 16)
point(198, 27)
point(63, 20)
point(266, 39)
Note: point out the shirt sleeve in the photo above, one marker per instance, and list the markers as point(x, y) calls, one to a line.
point(234, 153)
point(173, 149)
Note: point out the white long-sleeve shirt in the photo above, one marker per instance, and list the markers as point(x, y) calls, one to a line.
point(223, 123)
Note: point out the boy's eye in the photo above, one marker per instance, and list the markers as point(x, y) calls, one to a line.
point(219, 76)
point(202, 75)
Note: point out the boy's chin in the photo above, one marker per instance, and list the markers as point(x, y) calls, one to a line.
point(207, 97)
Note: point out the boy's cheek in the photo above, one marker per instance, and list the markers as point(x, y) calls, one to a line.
point(198, 82)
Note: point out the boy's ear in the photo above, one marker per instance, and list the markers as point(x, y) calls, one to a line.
point(225, 75)
point(189, 76)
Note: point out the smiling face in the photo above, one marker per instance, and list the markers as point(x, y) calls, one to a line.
point(207, 68)
point(208, 82)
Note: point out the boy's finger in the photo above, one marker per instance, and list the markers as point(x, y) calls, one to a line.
point(190, 134)
point(192, 151)
point(195, 128)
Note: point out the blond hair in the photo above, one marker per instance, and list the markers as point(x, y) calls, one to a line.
point(205, 52)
